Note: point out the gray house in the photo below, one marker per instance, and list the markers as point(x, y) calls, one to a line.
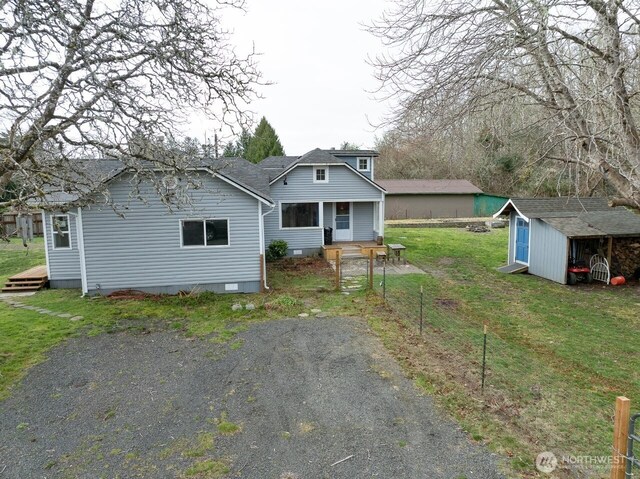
point(546, 235)
point(216, 240)
point(324, 189)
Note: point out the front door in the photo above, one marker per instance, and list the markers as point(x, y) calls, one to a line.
point(522, 241)
point(343, 230)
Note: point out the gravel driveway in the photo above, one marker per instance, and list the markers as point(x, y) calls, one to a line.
point(284, 399)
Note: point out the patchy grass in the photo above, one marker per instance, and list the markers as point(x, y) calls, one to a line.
point(227, 427)
point(557, 355)
point(25, 336)
point(208, 468)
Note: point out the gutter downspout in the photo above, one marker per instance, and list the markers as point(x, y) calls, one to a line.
point(262, 242)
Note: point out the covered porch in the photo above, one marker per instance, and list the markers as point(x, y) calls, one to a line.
point(352, 221)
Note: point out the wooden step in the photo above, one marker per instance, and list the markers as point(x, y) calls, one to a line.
point(27, 282)
point(32, 279)
point(22, 289)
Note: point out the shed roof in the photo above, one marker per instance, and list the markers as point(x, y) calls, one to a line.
point(558, 207)
point(613, 222)
point(429, 187)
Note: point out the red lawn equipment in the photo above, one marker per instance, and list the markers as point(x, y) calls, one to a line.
point(578, 269)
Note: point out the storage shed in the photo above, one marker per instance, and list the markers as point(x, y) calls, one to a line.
point(419, 199)
point(546, 235)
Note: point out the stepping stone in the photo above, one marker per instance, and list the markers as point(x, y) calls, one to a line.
point(316, 311)
point(250, 306)
point(322, 315)
point(303, 315)
point(65, 315)
point(44, 311)
point(346, 293)
point(76, 318)
point(236, 307)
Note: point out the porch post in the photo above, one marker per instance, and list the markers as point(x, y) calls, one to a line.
point(381, 218)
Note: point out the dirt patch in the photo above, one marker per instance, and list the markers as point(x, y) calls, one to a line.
point(446, 303)
point(302, 265)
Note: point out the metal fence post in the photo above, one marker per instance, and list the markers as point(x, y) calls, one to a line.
point(632, 460)
point(484, 356)
point(421, 308)
point(384, 282)
point(338, 270)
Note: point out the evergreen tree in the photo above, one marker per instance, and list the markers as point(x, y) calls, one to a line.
point(264, 143)
point(238, 147)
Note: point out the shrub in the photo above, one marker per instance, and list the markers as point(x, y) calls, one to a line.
point(276, 250)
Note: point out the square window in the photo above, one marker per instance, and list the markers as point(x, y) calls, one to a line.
point(320, 175)
point(363, 164)
point(217, 233)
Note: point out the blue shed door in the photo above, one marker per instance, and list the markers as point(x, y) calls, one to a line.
point(522, 241)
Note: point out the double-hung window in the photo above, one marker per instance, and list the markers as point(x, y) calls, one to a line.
point(61, 233)
point(213, 232)
point(300, 215)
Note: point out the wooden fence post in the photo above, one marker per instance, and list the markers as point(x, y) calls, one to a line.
point(371, 269)
point(620, 435)
point(338, 269)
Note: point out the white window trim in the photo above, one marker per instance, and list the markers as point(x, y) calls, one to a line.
point(326, 174)
point(205, 246)
point(368, 168)
point(54, 232)
point(296, 228)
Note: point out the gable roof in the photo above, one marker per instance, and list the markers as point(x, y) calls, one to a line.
point(321, 157)
point(429, 187)
point(242, 172)
point(239, 172)
point(558, 207)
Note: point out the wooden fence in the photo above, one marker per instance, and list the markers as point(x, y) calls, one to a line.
point(9, 223)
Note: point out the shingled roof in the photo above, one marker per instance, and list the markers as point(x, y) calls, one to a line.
point(559, 207)
point(614, 222)
point(429, 187)
point(238, 170)
point(577, 217)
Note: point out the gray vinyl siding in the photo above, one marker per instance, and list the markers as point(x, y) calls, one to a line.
point(143, 250)
point(343, 185)
point(363, 222)
point(547, 252)
point(296, 238)
point(353, 162)
point(64, 264)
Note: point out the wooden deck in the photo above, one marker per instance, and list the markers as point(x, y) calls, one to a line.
point(30, 280)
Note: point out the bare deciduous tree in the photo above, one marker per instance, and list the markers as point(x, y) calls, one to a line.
point(82, 78)
point(573, 64)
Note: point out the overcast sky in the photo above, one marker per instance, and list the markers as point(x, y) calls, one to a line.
point(315, 53)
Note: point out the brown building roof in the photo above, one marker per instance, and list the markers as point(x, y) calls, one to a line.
point(428, 187)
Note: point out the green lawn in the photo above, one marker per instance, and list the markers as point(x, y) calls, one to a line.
point(557, 355)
